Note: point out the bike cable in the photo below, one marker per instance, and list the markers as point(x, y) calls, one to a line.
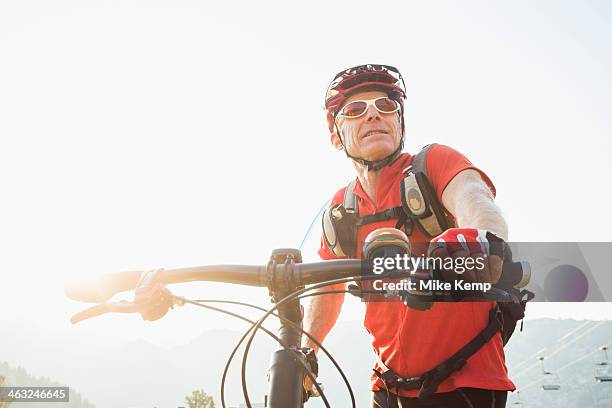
point(311, 337)
point(251, 332)
point(269, 333)
point(337, 366)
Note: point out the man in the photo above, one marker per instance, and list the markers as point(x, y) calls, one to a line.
point(365, 115)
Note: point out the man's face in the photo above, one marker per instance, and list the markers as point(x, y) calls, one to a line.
point(372, 136)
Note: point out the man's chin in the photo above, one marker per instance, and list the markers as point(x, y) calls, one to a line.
point(380, 153)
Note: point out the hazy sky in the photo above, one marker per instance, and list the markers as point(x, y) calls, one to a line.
point(137, 134)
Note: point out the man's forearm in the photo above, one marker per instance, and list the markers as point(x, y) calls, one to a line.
point(472, 204)
point(480, 211)
point(321, 314)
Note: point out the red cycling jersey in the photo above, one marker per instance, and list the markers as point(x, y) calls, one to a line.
point(411, 342)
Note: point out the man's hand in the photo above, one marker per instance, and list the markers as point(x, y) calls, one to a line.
point(152, 297)
point(457, 245)
point(313, 364)
point(309, 388)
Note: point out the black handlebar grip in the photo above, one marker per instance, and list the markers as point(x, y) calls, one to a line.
point(515, 275)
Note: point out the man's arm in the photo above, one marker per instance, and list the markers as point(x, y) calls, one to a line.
point(470, 201)
point(321, 314)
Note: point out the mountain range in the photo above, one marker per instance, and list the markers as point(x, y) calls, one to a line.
point(140, 374)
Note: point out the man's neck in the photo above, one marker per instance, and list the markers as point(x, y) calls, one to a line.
point(369, 179)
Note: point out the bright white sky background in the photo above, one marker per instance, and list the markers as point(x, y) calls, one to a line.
point(138, 134)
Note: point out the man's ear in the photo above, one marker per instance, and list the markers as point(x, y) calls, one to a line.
point(335, 140)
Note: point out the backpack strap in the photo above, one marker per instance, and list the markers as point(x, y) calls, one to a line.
point(419, 162)
point(340, 222)
point(428, 382)
point(351, 205)
point(420, 205)
point(419, 198)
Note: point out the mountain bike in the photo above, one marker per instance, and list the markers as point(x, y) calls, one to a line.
point(288, 280)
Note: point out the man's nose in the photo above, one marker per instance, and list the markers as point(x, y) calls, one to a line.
point(372, 114)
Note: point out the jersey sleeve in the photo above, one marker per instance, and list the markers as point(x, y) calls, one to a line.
point(325, 253)
point(444, 163)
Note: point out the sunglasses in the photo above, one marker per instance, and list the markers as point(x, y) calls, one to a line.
point(356, 109)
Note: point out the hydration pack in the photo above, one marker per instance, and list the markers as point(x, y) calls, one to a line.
point(421, 208)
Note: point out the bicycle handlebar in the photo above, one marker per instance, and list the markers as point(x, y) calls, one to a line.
point(102, 289)
point(301, 274)
point(286, 277)
point(105, 287)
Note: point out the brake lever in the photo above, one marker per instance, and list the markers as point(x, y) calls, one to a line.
point(109, 307)
point(151, 299)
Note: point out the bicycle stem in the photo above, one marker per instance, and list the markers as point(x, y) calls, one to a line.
point(286, 374)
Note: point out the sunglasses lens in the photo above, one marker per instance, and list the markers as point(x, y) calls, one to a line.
point(353, 109)
point(386, 105)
